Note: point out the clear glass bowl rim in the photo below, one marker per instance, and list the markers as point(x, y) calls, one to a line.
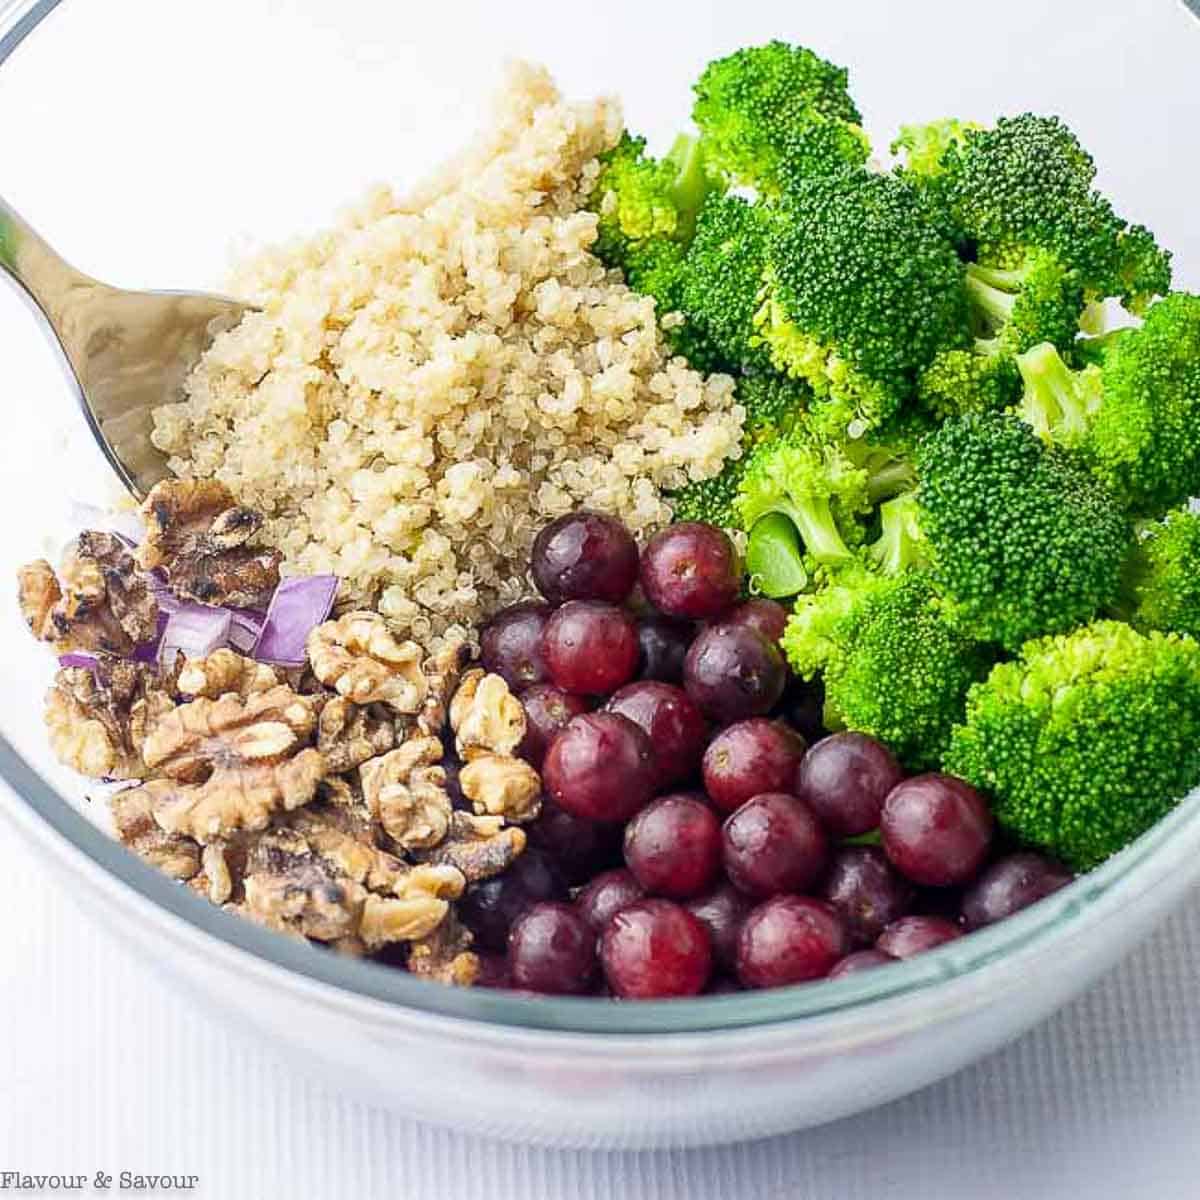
point(1131, 871)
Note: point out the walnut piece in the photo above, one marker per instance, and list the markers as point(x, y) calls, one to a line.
point(221, 672)
point(136, 828)
point(405, 791)
point(479, 847)
point(96, 721)
point(230, 763)
point(507, 787)
point(349, 734)
point(99, 604)
point(486, 717)
point(445, 955)
point(358, 657)
point(201, 539)
point(442, 673)
point(293, 884)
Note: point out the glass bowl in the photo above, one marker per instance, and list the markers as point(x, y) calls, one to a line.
point(141, 137)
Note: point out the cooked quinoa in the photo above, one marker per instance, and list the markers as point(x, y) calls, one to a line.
point(430, 382)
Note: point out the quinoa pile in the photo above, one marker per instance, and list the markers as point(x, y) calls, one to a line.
point(429, 383)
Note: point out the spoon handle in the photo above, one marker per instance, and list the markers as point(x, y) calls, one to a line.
point(38, 269)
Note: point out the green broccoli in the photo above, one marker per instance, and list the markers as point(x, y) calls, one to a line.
point(1023, 540)
point(924, 146)
point(861, 293)
point(893, 666)
point(1086, 740)
point(723, 274)
point(984, 378)
point(1019, 200)
point(1132, 413)
point(770, 116)
point(821, 491)
point(1160, 584)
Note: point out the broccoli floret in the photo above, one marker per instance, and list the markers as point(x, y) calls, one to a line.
point(1086, 740)
point(711, 501)
point(1020, 195)
point(775, 114)
point(861, 294)
point(1132, 414)
point(634, 199)
point(924, 146)
point(816, 486)
point(1160, 584)
point(982, 379)
point(893, 666)
point(1023, 539)
point(723, 276)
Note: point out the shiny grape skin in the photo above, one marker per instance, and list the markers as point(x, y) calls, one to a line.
point(691, 570)
point(936, 830)
point(656, 948)
point(790, 939)
point(590, 647)
point(585, 555)
point(846, 777)
point(915, 935)
point(552, 949)
point(673, 846)
point(1011, 884)
point(750, 757)
point(733, 672)
point(510, 644)
point(600, 768)
point(867, 890)
point(774, 843)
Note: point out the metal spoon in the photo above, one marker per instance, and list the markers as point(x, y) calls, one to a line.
point(126, 352)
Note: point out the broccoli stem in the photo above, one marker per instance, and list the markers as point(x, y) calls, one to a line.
point(691, 182)
point(1054, 404)
point(992, 293)
point(889, 480)
point(900, 545)
point(818, 530)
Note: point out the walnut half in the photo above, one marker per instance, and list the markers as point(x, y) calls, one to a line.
point(201, 539)
point(358, 657)
point(230, 763)
point(405, 790)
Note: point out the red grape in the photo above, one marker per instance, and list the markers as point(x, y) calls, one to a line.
point(936, 830)
point(552, 949)
point(675, 726)
point(547, 711)
point(585, 556)
point(510, 644)
point(1011, 884)
point(867, 890)
point(915, 935)
point(860, 960)
point(846, 777)
point(673, 846)
point(655, 948)
point(663, 644)
point(603, 897)
point(590, 647)
point(774, 843)
point(691, 570)
point(789, 939)
point(601, 767)
point(722, 910)
point(733, 672)
point(749, 758)
point(768, 617)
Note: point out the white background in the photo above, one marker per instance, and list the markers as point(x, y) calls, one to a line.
point(148, 137)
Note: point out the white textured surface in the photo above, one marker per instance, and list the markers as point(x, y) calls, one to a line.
point(103, 1068)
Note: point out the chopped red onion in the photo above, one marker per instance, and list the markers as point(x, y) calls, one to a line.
point(195, 630)
point(245, 629)
point(166, 599)
point(299, 605)
point(87, 661)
